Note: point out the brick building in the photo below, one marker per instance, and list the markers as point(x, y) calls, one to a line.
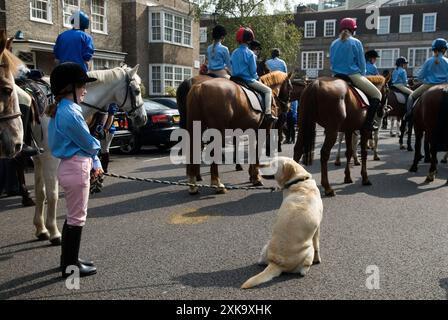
point(163, 38)
point(404, 28)
point(40, 22)
point(2, 15)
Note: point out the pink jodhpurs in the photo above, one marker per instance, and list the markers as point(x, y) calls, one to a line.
point(74, 178)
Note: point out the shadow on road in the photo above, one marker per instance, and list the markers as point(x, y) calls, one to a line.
point(443, 283)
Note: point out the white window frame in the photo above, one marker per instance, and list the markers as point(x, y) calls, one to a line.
point(49, 12)
point(320, 63)
point(203, 35)
point(305, 32)
point(64, 13)
point(187, 71)
point(332, 21)
point(401, 22)
point(432, 14)
point(411, 55)
point(162, 27)
point(395, 55)
point(105, 31)
point(379, 23)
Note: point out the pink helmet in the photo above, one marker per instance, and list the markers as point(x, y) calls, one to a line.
point(348, 23)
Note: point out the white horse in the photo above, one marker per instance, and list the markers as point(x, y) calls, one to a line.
point(121, 86)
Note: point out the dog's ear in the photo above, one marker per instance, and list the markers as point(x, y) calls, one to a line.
point(291, 170)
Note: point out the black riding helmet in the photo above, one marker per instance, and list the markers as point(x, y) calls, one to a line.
point(275, 53)
point(219, 32)
point(401, 61)
point(68, 73)
point(255, 45)
point(371, 54)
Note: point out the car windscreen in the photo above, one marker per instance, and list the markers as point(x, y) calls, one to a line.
point(152, 106)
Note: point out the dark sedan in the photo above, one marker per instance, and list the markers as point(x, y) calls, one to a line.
point(162, 121)
point(169, 102)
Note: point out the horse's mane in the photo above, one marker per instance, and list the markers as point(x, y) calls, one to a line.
point(11, 62)
point(274, 78)
point(110, 75)
point(377, 80)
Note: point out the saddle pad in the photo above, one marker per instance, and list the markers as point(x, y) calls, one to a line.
point(254, 100)
point(363, 101)
point(40, 92)
point(401, 98)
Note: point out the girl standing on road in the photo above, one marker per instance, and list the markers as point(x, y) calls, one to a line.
point(70, 140)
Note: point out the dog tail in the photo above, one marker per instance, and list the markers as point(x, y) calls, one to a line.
point(271, 271)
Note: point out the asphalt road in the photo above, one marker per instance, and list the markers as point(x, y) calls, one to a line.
point(153, 241)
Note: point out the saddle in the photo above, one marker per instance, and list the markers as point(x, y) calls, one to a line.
point(361, 97)
point(256, 100)
point(39, 90)
point(401, 97)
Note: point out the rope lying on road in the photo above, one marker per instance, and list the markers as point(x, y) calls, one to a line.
point(185, 184)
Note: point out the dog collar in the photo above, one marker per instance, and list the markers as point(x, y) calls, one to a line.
point(295, 181)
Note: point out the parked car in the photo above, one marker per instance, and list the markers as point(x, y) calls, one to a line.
point(123, 135)
point(166, 101)
point(162, 121)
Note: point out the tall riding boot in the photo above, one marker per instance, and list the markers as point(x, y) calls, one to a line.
point(105, 161)
point(71, 241)
point(409, 108)
point(371, 111)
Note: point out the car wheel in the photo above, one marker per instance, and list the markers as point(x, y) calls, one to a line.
point(132, 147)
point(164, 146)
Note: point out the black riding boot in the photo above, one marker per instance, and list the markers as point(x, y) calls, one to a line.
point(409, 109)
point(71, 241)
point(371, 111)
point(105, 159)
point(27, 149)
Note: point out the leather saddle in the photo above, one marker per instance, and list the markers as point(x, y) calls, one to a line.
point(256, 100)
point(39, 90)
point(361, 97)
point(401, 97)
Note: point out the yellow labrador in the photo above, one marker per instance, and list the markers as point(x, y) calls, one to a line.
point(294, 245)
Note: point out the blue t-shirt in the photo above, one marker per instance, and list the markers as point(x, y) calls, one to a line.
point(347, 57)
point(244, 64)
point(399, 76)
point(277, 64)
point(218, 57)
point(74, 46)
point(433, 73)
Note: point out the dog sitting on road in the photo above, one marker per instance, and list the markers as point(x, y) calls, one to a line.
point(294, 245)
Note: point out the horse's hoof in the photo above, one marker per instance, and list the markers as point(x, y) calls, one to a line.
point(28, 202)
point(56, 241)
point(258, 183)
point(428, 160)
point(402, 147)
point(43, 236)
point(410, 148)
point(429, 179)
point(367, 183)
point(337, 163)
point(413, 168)
point(199, 178)
point(221, 191)
point(239, 167)
point(357, 163)
point(348, 180)
point(330, 193)
point(376, 158)
point(193, 191)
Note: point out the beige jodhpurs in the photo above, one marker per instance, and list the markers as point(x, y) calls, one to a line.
point(420, 90)
point(366, 86)
point(258, 86)
point(403, 88)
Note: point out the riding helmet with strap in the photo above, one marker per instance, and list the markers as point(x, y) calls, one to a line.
point(80, 20)
point(219, 32)
point(244, 35)
point(401, 61)
point(348, 24)
point(439, 44)
point(372, 54)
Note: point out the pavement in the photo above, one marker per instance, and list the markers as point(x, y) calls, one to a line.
point(153, 241)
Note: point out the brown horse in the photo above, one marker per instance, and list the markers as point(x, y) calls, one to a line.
point(330, 103)
point(430, 115)
point(11, 128)
point(221, 104)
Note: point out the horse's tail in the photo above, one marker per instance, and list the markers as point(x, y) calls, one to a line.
point(271, 271)
point(181, 98)
point(307, 123)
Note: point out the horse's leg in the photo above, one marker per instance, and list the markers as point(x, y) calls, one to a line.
point(238, 166)
point(402, 131)
point(20, 170)
point(364, 138)
point(375, 145)
point(52, 195)
point(38, 221)
point(445, 158)
point(418, 151)
point(215, 181)
point(254, 172)
point(338, 153)
point(348, 154)
point(392, 126)
point(409, 142)
point(427, 151)
point(330, 140)
point(433, 168)
point(192, 175)
point(355, 141)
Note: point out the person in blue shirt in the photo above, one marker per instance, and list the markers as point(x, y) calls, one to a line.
point(218, 56)
point(291, 121)
point(70, 140)
point(275, 63)
point(400, 76)
point(347, 58)
point(433, 72)
point(244, 66)
point(75, 45)
point(371, 69)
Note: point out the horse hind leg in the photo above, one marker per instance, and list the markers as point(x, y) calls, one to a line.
point(38, 221)
point(433, 168)
point(375, 145)
point(348, 154)
point(355, 141)
point(330, 140)
point(364, 139)
point(337, 162)
point(215, 181)
point(418, 150)
point(52, 196)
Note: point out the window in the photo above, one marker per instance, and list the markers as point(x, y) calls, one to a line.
point(387, 58)
point(310, 29)
point(406, 23)
point(417, 56)
point(383, 25)
point(156, 30)
point(167, 76)
point(313, 60)
point(40, 10)
point(99, 16)
point(202, 35)
point(178, 24)
point(104, 64)
point(329, 28)
point(187, 32)
point(171, 28)
point(69, 6)
point(429, 22)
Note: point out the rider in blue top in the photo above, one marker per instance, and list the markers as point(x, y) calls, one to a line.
point(75, 45)
point(433, 72)
point(275, 63)
point(218, 56)
point(347, 58)
point(244, 66)
point(371, 69)
point(400, 76)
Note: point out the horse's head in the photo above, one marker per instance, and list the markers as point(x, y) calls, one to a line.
point(133, 101)
point(11, 129)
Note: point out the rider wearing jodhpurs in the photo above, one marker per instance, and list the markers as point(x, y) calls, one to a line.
point(70, 140)
point(347, 58)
